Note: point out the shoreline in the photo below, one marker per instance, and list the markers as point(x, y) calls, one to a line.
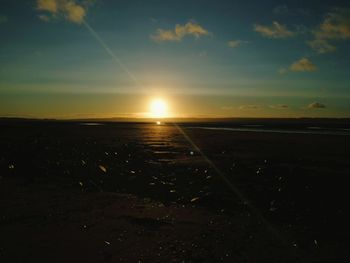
point(58, 204)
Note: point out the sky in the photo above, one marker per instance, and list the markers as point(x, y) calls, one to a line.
point(104, 58)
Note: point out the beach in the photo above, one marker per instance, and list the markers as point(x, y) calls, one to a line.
point(142, 192)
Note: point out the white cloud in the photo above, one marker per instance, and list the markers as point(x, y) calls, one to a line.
point(335, 27)
point(45, 18)
point(235, 43)
point(180, 31)
point(74, 12)
point(322, 46)
point(316, 105)
point(303, 65)
point(165, 35)
point(69, 9)
point(279, 106)
point(48, 5)
point(249, 107)
point(276, 30)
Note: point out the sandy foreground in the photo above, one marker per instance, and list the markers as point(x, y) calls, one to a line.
point(144, 193)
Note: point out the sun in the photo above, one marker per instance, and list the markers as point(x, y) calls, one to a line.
point(158, 108)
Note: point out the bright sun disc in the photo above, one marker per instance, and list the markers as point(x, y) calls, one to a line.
point(158, 108)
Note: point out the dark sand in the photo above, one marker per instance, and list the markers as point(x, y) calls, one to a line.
point(125, 192)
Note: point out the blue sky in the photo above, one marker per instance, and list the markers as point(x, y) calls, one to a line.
point(206, 58)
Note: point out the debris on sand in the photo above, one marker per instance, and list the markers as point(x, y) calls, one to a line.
point(194, 199)
point(258, 172)
point(273, 208)
point(102, 168)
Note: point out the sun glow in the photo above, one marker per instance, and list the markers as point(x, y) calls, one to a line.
point(158, 108)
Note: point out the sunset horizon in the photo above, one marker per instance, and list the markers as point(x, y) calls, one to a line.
point(174, 131)
point(101, 58)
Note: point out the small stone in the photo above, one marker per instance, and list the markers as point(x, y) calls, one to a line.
point(194, 199)
point(102, 168)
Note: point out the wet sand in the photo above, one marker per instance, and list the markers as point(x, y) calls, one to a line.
point(126, 192)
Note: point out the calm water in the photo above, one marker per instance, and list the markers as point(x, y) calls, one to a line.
point(260, 128)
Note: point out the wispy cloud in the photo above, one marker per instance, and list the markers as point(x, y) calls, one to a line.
point(279, 106)
point(322, 46)
point(283, 71)
point(276, 30)
point(48, 5)
point(285, 10)
point(281, 10)
point(74, 12)
point(45, 18)
point(303, 65)
point(335, 27)
point(3, 19)
point(316, 105)
point(235, 43)
point(180, 31)
point(249, 107)
point(68, 9)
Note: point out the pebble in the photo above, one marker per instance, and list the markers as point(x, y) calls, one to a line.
point(102, 168)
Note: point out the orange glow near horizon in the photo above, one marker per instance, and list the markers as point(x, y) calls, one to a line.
point(158, 108)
